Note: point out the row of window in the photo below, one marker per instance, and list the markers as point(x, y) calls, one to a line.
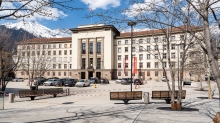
point(91, 49)
point(156, 73)
point(156, 56)
point(49, 46)
point(148, 65)
point(53, 73)
point(33, 53)
point(98, 64)
point(148, 48)
point(155, 40)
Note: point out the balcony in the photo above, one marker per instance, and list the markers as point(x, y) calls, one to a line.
point(89, 68)
point(83, 52)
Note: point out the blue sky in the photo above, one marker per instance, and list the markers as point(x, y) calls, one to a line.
point(72, 19)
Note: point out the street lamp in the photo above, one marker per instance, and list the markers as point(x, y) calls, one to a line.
point(131, 23)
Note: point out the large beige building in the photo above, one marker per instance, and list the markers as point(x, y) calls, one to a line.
point(98, 51)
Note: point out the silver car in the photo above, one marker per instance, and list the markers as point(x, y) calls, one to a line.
point(118, 81)
point(50, 82)
point(82, 83)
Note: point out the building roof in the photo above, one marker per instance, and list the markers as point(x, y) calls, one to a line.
point(159, 31)
point(46, 40)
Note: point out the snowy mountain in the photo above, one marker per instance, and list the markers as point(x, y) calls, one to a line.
point(39, 30)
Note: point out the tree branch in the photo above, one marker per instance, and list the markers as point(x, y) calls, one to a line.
point(217, 20)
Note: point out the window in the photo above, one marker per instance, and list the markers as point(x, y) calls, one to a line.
point(140, 48)
point(28, 53)
point(22, 73)
point(126, 49)
point(140, 41)
point(126, 41)
point(156, 73)
point(44, 46)
point(33, 46)
point(54, 52)
point(91, 48)
point(148, 48)
point(65, 52)
point(59, 73)
point(126, 65)
point(70, 73)
point(65, 66)
point(23, 53)
point(133, 41)
point(156, 40)
point(119, 65)
point(90, 62)
point(173, 55)
point(119, 50)
point(148, 40)
point(164, 47)
point(54, 66)
point(119, 73)
point(99, 47)
point(164, 64)
point(148, 64)
point(54, 59)
point(140, 56)
point(33, 53)
point(54, 74)
point(65, 59)
point(60, 59)
point(59, 66)
point(133, 49)
point(164, 55)
point(70, 52)
point(126, 57)
point(148, 56)
point(70, 45)
point(181, 46)
point(65, 45)
point(181, 54)
point(49, 46)
point(140, 65)
point(48, 73)
point(148, 73)
point(98, 63)
point(156, 47)
point(119, 57)
point(173, 64)
point(83, 48)
point(64, 73)
point(119, 42)
point(38, 53)
point(172, 46)
point(156, 64)
point(54, 46)
point(70, 59)
point(156, 56)
point(60, 45)
point(43, 52)
point(60, 52)
point(172, 38)
point(181, 37)
point(126, 73)
point(164, 39)
point(49, 52)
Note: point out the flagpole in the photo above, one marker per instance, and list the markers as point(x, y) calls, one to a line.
point(131, 24)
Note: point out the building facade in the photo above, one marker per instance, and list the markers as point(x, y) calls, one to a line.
point(99, 50)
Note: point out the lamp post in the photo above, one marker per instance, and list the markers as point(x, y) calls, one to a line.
point(131, 23)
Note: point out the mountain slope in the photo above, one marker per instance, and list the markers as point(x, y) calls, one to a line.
point(39, 30)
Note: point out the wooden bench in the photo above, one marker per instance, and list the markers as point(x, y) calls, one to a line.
point(186, 83)
point(164, 94)
point(126, 96)
point(40, 92)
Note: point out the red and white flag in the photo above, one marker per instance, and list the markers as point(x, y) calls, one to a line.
point(124, 65)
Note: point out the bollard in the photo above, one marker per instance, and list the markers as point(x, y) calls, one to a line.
point(146, 97)
point(11, 97)
point(67, 91)
point(94, 85)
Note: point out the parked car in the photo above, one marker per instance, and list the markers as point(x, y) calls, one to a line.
point(138, 81)
point(94, 80)
point(18, 80)
point(104, 81)
point(124, 81)
point(164, 79)
point(50, 82)
point(82, 83)
point(60, 82)
point(70, 82)
point(118, 81)
point(212, 78)
point(40, 81)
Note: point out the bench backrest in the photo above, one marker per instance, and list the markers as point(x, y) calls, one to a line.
point(126, 95)
point(166, 95)
point(40, 92)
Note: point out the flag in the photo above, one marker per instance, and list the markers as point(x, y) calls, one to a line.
point(124, 65)
point(134, 65)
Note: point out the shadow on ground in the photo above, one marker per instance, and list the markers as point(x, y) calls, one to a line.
point(183, 109)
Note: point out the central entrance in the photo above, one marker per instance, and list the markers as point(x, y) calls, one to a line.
point(90, 74)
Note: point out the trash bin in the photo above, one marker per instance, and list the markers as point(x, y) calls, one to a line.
point(146, 97)
point(11, 97)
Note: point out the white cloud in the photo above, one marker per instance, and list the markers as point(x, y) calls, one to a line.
point(104, 4)
point(54, 12)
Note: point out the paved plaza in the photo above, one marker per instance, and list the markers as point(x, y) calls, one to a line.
point(93, 105)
